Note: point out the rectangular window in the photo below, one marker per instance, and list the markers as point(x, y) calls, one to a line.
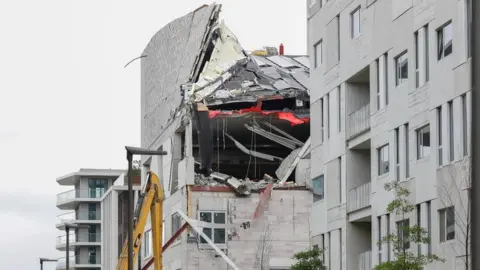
point(355, 20)
point(439, 135)
point(447, 224)
point(468, 17)
point(397, 153)
point(444, 40)
point(327, 102)
point(417, 60)
point(427, 53)
point(388, 233)
point(176, 224)
point(450, 131)
point(339, 110)
point(403, 232)
point(407, 151)
point(385, 56)
point(318, 49)
point(340, 251)
point(329, 249)
point(401, 67)
point(383, 160)
point(338, 36)
point(429, 227)
point(322, 119)
point(323, 247)
point(464, 125)
point(218, 236)
point(340, 178)
point(419, 224)
point(318, 191)
point(379, 230)
point(379, 105)
point(423, 142)
point(147, 244)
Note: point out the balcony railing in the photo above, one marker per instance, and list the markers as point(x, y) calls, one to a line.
point(91, 259)
point(365, 260)
point(78, 215)
point(95, 193)
point(359, 197)
point(358, 121)
point(82, 237)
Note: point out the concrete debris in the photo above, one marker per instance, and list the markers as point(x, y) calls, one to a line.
point(290, 163)
point(251, 152)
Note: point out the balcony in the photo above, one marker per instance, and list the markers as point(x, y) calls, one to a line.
point(88, 262)
point(80, 217)
point(365, 260)
point(82, 239)
point(358, 121)
point(359, 197)
point(70, 199)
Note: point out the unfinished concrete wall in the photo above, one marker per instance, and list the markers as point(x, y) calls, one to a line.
point(287, 213)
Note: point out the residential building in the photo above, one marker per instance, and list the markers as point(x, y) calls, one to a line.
point(235, 125)
point(92, 205)
point(390, 101)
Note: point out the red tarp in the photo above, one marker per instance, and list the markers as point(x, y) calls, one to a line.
point(288, 116)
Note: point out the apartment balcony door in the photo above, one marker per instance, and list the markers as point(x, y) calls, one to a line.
point(96, 187)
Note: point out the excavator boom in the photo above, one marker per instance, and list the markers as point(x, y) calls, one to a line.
point(151, 201)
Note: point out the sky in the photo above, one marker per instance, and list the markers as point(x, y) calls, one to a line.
point(67, 102)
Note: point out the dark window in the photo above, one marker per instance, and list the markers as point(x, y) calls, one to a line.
point(444, 40)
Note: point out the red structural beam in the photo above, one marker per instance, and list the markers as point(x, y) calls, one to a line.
point(169, 242)
point(288, 116)
point(263, 200)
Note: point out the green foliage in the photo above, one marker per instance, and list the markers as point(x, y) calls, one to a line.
point(404, 258)
point(309, 260)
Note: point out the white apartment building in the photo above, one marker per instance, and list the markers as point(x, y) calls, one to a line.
point(83, 206)
point(390, 101)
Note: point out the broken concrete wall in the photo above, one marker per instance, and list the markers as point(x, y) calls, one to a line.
point(286, 212)
point(168, 61)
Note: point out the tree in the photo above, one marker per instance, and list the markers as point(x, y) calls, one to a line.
point(455, 190)
point(404, 259)
point(309, 260)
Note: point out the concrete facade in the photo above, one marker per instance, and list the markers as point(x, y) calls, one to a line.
point(362, 99)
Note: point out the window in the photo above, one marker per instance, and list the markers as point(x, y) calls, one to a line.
point(92, 212)
point(468, 17)
point(401, 64)
point(340, 248)
point(218, 236)
point(383, 160)
point(423, 142)
point(417, 61)
point(338, 36)
point(339, 110)
point(385, 74)
point(450, 130)
point(388, 233)
point(379, 243)
point(318, 48)
point(340, 178)
point(439, 136)
point(429, 227)
point(427, 55)
point(147, 244)
point(92, 255)
point(419, 224)
point(397, 154)
point(330, 249)
point(355, 20)
point(327, 102)
point(379, 103)
point(447, 224)
point(322, 119)
point(317, 184)
point(444, 40)
point(407, 151)
point(323, 247)
point(176, 224)
point(464, 125)
point(403, 232)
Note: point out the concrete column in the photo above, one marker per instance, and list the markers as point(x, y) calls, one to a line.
point(421, 57)
point(382, 81)
point(327, 250)
point(424, 224)
point(373, 87)
point(403, 152)
point(375, 240)
point(384, 233)
point(326, 116)
point(469, 122)
point(458, 128)
point(188, 140)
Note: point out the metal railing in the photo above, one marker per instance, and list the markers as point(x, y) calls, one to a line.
point(358, 121)
point(81, 237)
point(95, 193)
point(62, 262)
point(91, 259)
point(359, 197)
point(365, 260)
point(78, 215)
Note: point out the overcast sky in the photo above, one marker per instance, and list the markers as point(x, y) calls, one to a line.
point(66, 102)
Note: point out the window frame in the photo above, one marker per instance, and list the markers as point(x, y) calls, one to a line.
point(353, 22)
point(319, 197)
point(399, 62)
point(439, 136)
point(442, 43)
point(201, 241)
point(147, 244)
point(421, 154)
point(319, 44)
point(405, 232)
point(380, 155)
point(443, 216)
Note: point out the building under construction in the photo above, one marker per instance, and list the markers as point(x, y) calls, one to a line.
point(236, 128)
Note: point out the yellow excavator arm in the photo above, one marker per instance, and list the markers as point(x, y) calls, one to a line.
point(150, 201)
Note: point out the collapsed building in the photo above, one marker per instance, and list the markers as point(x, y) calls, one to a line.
point(236, 129)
